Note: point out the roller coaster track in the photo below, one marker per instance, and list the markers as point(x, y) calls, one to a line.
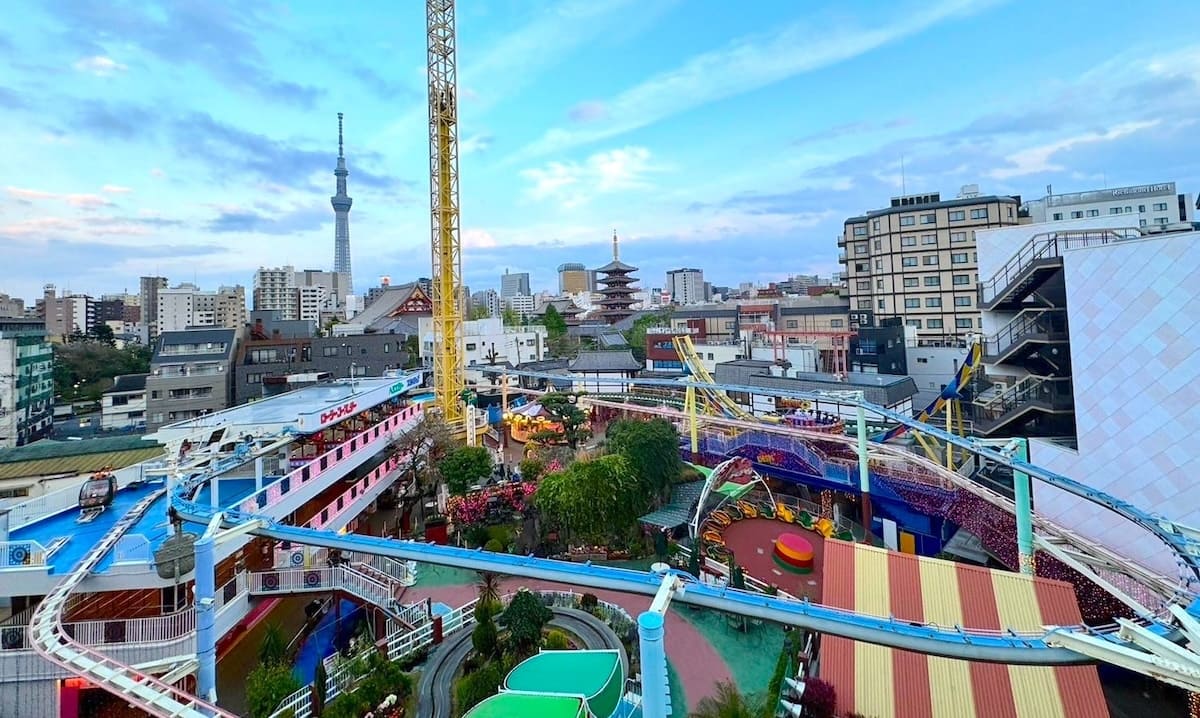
point(1170, 662)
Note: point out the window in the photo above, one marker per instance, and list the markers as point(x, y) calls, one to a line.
point(471, 347)
point(329, 351)
point(909, 261)
point(1141, 223)
point(860, 248)
point(1114, 210)
point(836, 323)
point(933, 323)
point(878, 245)
point(175, 598)
point(961, 279)
point(963, 323)
point(910, 281)
point(908, 221)
point(349, 350)
point(933, 302)
point(881, 304)
point(254, 378)
point(862, 267)
point(980, 213)
point(908, 240)
point(1093, 213)
point(14, 493)
point(956, 237)
point(962, 301)
point(879, 265)
point(1161, 220)
point(1128, 209)
point(959, 258)
point(928, 239)
point(860, 231)
point(1077, 214)
point(1057, 216)
point(1160, 206)
point(913, 323)
point(912, 303)
point(875, 225)
point(930, 218)
point(933, 281)
point(864, 304)
point(929, 260)
point(793, 323)
point(387, 347)
point(1141, 208)
point(957, 215)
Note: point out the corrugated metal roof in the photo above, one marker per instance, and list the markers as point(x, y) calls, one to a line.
point(883, 682)
point(79, 464)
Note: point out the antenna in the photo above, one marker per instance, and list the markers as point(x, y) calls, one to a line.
point(616, 252)
point(340, 135)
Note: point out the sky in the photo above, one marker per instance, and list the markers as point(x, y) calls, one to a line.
point(196, 139)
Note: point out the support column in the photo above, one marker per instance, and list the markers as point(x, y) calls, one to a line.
point(3, 525)
point(864, 463)
point(258, 474)
point(1024, 500)
point(206, 614)
point(214, 495)
point(656, 699)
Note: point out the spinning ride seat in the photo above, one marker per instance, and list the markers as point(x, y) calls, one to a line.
point(748, 509)
point(794, 553)
point(783, 513)
point(713, 537)
point(825, 527)
point(734, 511)
point(720, 518)
point(766, 510)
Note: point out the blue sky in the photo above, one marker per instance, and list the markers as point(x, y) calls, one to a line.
point(197, 139)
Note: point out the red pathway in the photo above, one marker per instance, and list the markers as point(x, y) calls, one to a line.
point(696, 662)
point(751, 541)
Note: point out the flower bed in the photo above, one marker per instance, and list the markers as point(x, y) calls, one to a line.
point(478, 506)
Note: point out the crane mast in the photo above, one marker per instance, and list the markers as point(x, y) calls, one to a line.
point(448, 376)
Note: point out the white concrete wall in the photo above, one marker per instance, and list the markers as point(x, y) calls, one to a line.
point(932, 368)
point(1135, 356)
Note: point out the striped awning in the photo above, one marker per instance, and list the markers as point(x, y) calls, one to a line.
point(883, 682)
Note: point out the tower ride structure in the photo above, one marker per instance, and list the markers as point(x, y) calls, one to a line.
point(443, 196)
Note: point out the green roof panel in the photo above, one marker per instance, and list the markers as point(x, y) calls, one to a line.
point(596, 675)
point(523, 705)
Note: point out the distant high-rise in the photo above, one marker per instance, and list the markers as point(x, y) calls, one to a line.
point(514, 283)
point(686, 286)
point(341, 229)
point(574, 278)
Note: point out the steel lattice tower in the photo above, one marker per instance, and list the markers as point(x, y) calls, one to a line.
point(443, 187)
point(341, 229)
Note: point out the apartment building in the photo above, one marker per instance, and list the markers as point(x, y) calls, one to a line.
point(148, 288)
point(275, 290)
point(916, 259)
point(124, 405)
point(264, 361)
point(11, 306)
point(189, 375)
point(26, 381)
point(488, 341)
point(65, 314)
point(1145, 206)
point(686, 286)
point(186, 306)
point(487, 300)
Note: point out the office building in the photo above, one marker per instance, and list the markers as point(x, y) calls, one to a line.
point(26, 381)
point(1146, 206)
point(573, 278)
point(522, 304)
point(275, 290)
point(916, 260)
point(265, 361)
point(186, 306)
point(514, 283)
point(189, 375)
point(488, 300)
point(148, 288)
point(686, 286)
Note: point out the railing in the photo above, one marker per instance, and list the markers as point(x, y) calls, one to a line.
point(22, 554)
point(1051, 322)
point(132, 548)
point(342, 504)
point(367, 439)
point(1047, 245)
point(66, 498)
point(1055, 392)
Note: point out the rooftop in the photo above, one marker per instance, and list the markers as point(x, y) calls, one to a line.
point(605, 361)
point(522, 705)
point(596, 675)
point(58, 458)
point(127, 383)
point(961, 202)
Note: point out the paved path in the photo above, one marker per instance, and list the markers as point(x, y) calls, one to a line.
point(437, 676)
point(696, 662)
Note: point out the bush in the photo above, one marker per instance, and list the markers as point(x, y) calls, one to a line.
point(819, 699)
point(588, 601)
point(476, 535)
point(494, 546)
point(531, 469)
point(483, 637)
point(470, 690)
point(266, 686)
point(556, 641)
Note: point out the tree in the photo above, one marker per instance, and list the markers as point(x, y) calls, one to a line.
point(464, 466)
point(480, 313)
point(525, 618)
point(652, 449)
point(103, 334)
point(488, 585)
point(556, 326)
point(421, 448)
point(476, 687)
point(267, 686)
point(531, 468)
point(819, 699)
point(319, 693)
point(636, 335)
point(483, 637)
point(729, 702)
point(273, 648)
point(564, 410)
point(84, 367)
point(594, 500)
point(556, 641)
point(511, 318)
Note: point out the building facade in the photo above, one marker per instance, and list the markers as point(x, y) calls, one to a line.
point(148, 288)
point(124, 405)
point(11, 306)
point(488, 341)
point(258, 360)
point(26, 382)
point(190, 375)
point(488, 300)
point(1148, 205)
point(186, 306)
point(275, 290)
point(65, 314)
point(573, 277)
point(514, 283)
point(916, 260)
point(686, 286)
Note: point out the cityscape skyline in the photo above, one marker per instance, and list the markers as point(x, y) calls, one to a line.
point(137, 176)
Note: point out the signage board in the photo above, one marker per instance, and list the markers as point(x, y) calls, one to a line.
point(339, 413)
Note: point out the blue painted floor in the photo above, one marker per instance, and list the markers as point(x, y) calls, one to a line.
point(323, 641)
point(230, 491)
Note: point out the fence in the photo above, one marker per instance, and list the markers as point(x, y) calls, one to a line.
point(39, 507)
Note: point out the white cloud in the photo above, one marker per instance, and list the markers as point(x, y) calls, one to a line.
point(99, 65)
point(575, 183)
point(115, 189)
point(474, 144)
point(82, 201)
point(1039, 159)
point(748, 64)
point(477, 239)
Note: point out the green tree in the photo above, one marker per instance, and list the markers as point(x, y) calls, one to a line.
point(594, 500)
point(525, 618)
point(421, 448)
point(480, 313)
point(266, 686)
point(556, 326)
point(564, 410)
point(103, 334)
point(652, 449)
point(483, 637)
point(273, 647)
point(85, 368)
point(729, 702)
point(556, 641)
point(464, 466)
point(511, 318)
point(474, 688)
point(636, 335)
point(531, 468)
point(488, 585)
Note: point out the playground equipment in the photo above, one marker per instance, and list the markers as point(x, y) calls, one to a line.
point(794, 553)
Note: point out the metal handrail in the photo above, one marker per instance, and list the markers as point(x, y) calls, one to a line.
point(1055, 390)
point(1048, 245)
point(1030, 321)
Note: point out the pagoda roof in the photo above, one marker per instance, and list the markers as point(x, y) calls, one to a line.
point(617, 266)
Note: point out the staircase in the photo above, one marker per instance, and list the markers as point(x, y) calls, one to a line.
point(1035, 262)
point(994, 410)
point(359, 579)
point(1031, 326)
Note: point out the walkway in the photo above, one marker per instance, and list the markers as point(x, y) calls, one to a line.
point(694, 659)
point(752, 543)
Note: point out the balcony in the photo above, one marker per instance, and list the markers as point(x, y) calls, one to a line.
point(1037, 261)
point(842, 257)
point(1032, 399)
point(1024, 338)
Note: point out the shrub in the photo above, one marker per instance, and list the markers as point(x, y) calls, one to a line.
point(531, 469)
point(819, 699)
point(483, 637)
point(472, 689)
point(556, 641)
point(588, 601)
point(266, 686)
point(494, 546)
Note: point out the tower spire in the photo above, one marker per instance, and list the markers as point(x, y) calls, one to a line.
point(341, 202)
point(616, 251)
